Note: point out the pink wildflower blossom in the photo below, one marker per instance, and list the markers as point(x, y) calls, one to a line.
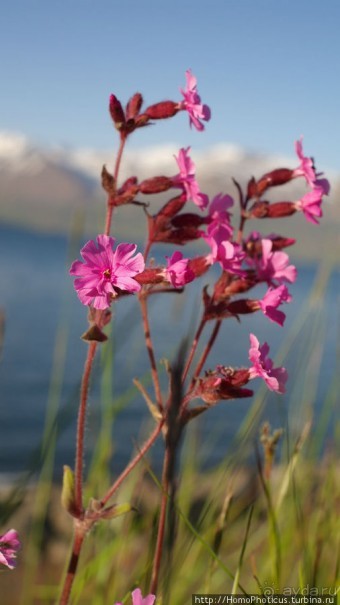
point(275, 378)
point(105, 270)
point(192, 103)
point(229, 255)
point(310, 203)
point(219, 217)
point(138, 599)
point(306, 167)
point(187, 179)
point(178, 272)
point(273, 298)
point(9, 545)
point(274, 265)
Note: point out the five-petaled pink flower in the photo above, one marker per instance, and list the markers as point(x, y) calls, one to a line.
point(9, 545)
point(138, 599)
point(105, 270)
point(310, 203)
point(192, 103)
point(275, 378)
point(178, 272)
point(274, 265)
point(273, 298)
point(187, 179)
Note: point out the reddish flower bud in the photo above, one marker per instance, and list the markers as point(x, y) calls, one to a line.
point(151, 275)
point(169, 210)
point(134, 105)
point(238, 286)
point(162, 110)
point(253, 245)
point(199, 265)
point(281, 209)
point(243, 306)
point(116, 112)
point(189, 219)
point(259, 210)
point(155, 185)
point(280, 242)
point(126, 197)
point(267, 210)
point(130, 183)
point(280, 176)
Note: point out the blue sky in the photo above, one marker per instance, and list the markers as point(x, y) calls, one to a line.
point(269, 69)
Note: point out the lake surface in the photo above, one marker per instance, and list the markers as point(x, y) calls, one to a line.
point(43, 323)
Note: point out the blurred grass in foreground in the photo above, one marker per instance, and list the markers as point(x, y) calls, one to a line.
point(237, 530)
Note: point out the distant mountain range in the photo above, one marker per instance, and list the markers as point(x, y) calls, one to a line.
point(55, 188)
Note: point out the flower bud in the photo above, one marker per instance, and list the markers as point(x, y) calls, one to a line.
point(199, 265)
point(281, 209)
point(169, 210)
point(189, 219)
point(237, 286)
point(116, 510)
point(155, 185)
point(151, 275)
point(162, 110)
point(267, 210)
point(68, 500)
point(280, 242)
point(134, 105)
point(116, 112)
point(128, 184)
point(280, 176)
point(243, 306)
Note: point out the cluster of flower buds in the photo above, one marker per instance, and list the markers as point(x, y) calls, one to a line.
point(128, 120)
point(309, 204)
point(245, 262)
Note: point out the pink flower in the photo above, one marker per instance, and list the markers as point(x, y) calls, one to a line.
point(104, 271)
point(274, 265)
point(178, 272)
point(306, 167)
point(187, 179)
point(273, 298)
point(229, 255)
point(192, 103)
point(9, 545)
point(219, 217)
point(310, 203)
point(138, 599)
point(275, 378)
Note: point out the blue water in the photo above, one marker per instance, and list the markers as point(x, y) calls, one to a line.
point(38, 300)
